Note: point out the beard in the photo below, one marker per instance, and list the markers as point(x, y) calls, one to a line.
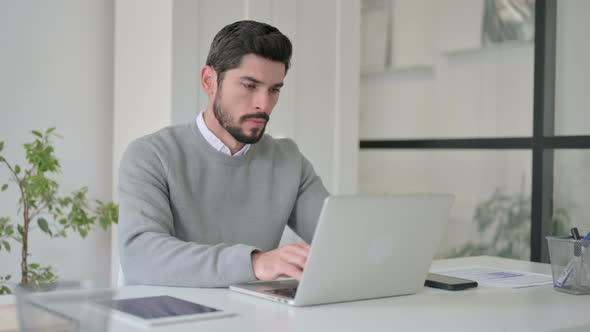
point(227, 122)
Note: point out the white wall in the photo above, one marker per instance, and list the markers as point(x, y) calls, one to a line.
point(142, 81)
point(143, 72)
point(56, 70)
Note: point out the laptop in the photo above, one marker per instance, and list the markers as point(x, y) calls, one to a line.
point(365, 247)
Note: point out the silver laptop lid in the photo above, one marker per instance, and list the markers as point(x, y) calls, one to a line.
point(373, 246)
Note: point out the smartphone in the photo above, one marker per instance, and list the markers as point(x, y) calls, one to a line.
point(449, 283)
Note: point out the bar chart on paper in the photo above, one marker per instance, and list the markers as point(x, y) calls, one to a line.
point(495, 277)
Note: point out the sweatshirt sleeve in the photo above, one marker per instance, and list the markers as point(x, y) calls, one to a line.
point(310, 198)
point(149, 251)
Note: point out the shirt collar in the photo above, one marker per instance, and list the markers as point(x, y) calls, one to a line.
point(215, 142)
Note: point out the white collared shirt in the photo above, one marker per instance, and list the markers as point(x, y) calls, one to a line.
point(215, 142)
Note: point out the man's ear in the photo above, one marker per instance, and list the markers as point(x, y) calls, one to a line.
point(209, 80)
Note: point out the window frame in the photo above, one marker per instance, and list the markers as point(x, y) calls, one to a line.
point(542, 143)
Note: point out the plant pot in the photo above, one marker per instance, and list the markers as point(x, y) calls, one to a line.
point(64, 306)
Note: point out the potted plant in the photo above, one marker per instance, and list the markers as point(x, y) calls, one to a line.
point(505, 220)
point(41, 207)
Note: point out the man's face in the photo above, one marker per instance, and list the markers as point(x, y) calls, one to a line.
point(246, 96)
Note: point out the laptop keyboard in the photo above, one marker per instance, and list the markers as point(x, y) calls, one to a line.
point(286, 292)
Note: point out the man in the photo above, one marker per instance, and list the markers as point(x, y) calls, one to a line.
point(205, 204)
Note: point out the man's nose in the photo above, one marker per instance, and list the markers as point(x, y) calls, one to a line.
point(262, 101)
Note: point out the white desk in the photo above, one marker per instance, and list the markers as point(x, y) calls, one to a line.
point(482, 309)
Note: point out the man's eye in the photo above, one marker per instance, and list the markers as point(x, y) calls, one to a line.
point(275, 90)
point(250, 86)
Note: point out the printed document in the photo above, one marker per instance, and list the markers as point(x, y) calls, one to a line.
point(495, 277)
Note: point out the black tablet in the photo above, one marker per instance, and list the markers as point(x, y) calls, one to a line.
point(158, 310)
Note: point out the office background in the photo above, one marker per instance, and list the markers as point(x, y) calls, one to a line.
point(106, 72)
point(455, 80)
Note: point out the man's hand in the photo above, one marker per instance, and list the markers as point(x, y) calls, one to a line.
point(287, 261)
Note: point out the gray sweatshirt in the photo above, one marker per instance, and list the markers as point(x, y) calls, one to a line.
point(191, 216)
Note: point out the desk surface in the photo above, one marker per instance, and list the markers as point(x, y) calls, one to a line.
point(481, 309)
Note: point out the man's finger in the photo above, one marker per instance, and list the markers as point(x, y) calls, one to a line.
point(298, 250)
point(302, 245)
point(291, 271)
point(294, 259)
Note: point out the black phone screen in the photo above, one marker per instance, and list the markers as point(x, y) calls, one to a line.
point(158, 307)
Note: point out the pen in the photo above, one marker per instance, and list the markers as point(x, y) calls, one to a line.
point(575, 233)
point(569, 269)
point(584, 254)
point(576, 236)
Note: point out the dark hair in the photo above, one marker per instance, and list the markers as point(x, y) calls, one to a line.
point(247, 37)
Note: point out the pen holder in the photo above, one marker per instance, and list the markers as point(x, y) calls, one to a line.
point(570, 264)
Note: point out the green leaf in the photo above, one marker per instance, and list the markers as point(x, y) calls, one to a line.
point(34, 266)
point(2, 159)
point(1, 146)
point(4, 290)
point(36, 133)
point(50, 130)
point(4, 187)
point(7, 277)
point(21, 230)
point(44, 225)
point(17, 169)
point(6, 245)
